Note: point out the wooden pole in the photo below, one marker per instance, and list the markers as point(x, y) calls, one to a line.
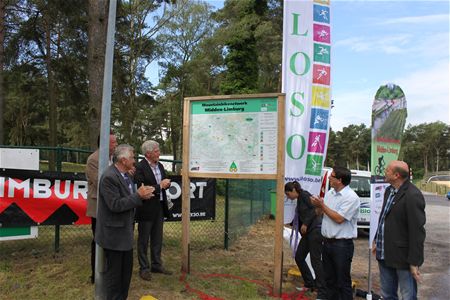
point(279, 215)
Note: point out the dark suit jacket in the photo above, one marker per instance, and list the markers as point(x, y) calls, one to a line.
point(144, 174)
point(306, 212)
point(115, 217)
point(404, 231)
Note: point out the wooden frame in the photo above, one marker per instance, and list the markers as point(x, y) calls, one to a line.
point(278, 176)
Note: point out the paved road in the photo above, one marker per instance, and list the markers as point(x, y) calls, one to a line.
point(436, 268)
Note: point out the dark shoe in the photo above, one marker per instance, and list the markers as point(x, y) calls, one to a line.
point(92, 279)
point(162, 271)
point(145, 275)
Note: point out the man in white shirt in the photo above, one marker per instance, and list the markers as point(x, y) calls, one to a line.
point(340, 213)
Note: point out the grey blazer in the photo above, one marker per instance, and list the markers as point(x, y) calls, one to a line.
point(115, 216)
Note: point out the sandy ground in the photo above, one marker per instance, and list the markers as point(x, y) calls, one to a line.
point(435, 270)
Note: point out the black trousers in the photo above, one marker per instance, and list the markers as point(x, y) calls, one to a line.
point(93, 225)
point(337, 261)
point(312, 243)
point(117, 273)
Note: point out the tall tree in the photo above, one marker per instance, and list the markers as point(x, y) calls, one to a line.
point(181, 38)
point(239, 22)
point(97, 29)
point(3, 4)
point(136, 49)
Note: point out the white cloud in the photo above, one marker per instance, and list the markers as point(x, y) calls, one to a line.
point(387, 44)
point(433, 45)
point(426, 91)
point(429, 19)
point(351, 107)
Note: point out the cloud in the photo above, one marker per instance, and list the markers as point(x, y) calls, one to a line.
point(351, 107)
point(386, 44)
point(426, 91)
point(417, 20)
point(433, 45)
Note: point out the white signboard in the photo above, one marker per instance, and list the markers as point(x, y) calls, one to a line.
point(24, 159)
point(237, 136)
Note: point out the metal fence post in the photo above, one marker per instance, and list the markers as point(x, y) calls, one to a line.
point(227, 203)
point(58, 169)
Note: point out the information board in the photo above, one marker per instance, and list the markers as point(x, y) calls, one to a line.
point(234, 136)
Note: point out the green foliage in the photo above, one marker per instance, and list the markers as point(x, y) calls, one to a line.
point(425, 147)
point(240, 21)
point(349, 147)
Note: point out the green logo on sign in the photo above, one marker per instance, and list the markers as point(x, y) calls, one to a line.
point(233, 167)
point(322, 53)
point(313, 164)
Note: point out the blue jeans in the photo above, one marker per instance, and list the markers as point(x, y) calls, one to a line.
point(391, 279)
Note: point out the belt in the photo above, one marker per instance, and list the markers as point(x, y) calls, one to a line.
point(332, 240)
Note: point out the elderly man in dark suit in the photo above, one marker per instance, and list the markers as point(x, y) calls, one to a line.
point(117, 201)
point(150, 216)
point(400, 237)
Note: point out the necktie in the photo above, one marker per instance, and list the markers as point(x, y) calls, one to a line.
point(128, 182)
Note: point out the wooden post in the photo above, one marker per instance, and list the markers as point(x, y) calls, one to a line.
point(185, 199)
point(279, 215)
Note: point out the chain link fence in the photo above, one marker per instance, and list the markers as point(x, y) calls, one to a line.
point(239, 204)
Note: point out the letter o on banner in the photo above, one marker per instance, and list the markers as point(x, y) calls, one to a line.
point(295, 146)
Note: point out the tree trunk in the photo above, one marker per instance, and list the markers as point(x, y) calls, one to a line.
point(51, 94)
point(2, 53)
point(97, 29)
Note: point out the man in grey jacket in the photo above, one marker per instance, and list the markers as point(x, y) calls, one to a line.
point(117, 201)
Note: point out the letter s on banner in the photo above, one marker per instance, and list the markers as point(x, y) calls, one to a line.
point(290, 146)
point(298, 104)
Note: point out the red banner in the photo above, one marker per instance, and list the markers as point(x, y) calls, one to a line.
point(42, 198)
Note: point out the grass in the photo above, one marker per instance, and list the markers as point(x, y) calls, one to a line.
point(30, 269)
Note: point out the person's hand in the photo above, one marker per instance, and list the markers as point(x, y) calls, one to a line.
point(415, 273)
point(165, 183)
point(374, 248)
point(132, 171)
point(145, 191)
point(303, 229)
point(316, 201)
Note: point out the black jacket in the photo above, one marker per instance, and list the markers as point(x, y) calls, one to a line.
point(306, 212)
point(404, 231)
point(144, 174)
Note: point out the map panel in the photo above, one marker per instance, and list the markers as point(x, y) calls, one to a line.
point(234, 136)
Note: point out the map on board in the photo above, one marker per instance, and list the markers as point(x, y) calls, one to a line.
point(234, 136)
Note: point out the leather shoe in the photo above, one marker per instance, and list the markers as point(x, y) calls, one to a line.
point(145, 275)
point(162, 271)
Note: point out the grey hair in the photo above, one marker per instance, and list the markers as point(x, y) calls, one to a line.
point(149, 146)
point(123, 150)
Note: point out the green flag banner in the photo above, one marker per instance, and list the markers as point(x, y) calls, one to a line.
point(388, 122)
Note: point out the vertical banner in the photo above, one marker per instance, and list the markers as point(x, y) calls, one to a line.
point(306, 83)
point(388, 121)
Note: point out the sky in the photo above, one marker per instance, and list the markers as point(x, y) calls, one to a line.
point(380, 42)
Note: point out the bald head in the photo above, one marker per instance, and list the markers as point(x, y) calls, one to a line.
point(397, 172)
